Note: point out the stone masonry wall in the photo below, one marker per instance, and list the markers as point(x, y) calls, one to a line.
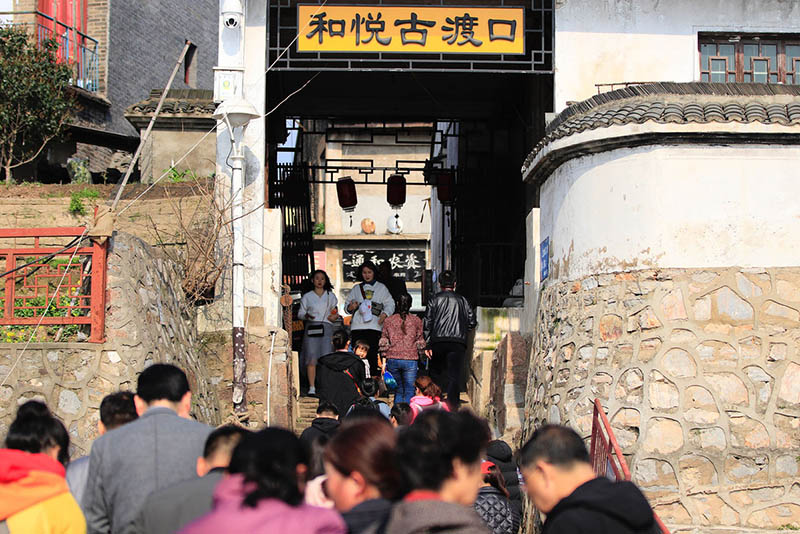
point(699, 373)
point(278, 384)
point(146, 322)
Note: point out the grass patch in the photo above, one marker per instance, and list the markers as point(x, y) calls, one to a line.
point(76, 206)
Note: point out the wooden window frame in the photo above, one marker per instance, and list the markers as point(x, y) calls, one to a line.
point(781, 41)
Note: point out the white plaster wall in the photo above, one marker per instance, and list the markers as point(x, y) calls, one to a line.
point(255, 61)
point(608, 41)
point(672, 207)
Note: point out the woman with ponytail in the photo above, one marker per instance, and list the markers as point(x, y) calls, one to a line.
point(263, 492)
point(400, 344)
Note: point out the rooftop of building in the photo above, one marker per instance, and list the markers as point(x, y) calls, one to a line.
point(678, 103)
point(178, 101)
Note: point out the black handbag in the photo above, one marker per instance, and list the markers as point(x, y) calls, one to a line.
point(318, 329)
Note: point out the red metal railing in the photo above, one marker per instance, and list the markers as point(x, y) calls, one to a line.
point(606, 453)
point(73, 279)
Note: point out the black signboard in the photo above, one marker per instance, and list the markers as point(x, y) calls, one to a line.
point(406, 264)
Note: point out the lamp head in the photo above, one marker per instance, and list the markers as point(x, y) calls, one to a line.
point(232, 13)
point(236, 112)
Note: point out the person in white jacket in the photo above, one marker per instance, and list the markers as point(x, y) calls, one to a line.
point(318, 310)
point(371, 303)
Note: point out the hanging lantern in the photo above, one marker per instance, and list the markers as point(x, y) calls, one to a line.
point(396, 191)
point(346, 192)
point(444, 179)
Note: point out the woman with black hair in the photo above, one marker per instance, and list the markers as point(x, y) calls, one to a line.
point(492, 503)
point(34, 496)
point(439, 459)
point(318, 310)
point(264, 492)
point(371, 303)
point(401, 342)
point(362, 477)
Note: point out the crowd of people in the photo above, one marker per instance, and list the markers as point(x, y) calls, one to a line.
point(394, 346)
point(154, 469)
point(421, 465)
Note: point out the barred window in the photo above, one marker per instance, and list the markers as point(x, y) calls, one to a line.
point(750, 58)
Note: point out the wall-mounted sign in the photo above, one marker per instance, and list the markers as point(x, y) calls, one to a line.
point(544, 251)
point(406, 264)
point(449, 30)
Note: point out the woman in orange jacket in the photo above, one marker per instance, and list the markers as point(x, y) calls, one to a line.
point(34, 497)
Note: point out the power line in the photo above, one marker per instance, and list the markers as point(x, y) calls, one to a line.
point(44, 312)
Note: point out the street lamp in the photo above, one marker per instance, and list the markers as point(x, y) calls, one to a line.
point(236, 113)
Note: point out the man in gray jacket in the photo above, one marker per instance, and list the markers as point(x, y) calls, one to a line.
point(168, 510)
point(155, 451)
point(116, 410)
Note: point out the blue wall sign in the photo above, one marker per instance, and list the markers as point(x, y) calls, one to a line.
point(544, 251)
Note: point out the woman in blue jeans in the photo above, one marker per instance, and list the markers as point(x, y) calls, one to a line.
point(400, 344)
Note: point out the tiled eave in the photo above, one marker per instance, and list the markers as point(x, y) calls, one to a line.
point(668, 113)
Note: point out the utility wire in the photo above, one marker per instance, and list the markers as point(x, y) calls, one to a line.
point(44, 312)
point(44, 258)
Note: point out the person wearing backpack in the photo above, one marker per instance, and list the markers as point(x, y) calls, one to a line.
point(369, 390)
point(340, 375)
point(428, 397)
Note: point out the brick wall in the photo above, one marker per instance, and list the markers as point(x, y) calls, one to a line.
point(97, 28)
point(144, 40)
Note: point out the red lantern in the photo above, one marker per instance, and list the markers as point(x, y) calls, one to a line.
point(445, 185)
point(396, 191)
point(346, 192)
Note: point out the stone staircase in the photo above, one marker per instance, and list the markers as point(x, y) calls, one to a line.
point(307, 411)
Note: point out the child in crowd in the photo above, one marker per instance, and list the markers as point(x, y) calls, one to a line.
point(400, 414)
point(492, 503)
point(361, 349)
point(428, 396)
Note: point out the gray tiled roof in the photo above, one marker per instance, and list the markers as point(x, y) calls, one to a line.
point(680, 103)
point(178, 101)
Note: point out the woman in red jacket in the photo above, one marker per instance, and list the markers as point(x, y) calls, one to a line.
point(400, 344)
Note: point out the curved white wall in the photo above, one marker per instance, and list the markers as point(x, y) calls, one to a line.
point(673, 207)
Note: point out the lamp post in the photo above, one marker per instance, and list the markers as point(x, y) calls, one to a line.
point(236, 113)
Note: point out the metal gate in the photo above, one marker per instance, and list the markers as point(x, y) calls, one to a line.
point(289, 191)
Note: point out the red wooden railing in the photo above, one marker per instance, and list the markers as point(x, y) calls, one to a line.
point(26, 292)
point(606, 453)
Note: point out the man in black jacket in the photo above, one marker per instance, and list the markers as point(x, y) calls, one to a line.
point(340, 375)
point(561, 483)
point(325, 424)
point(448, 320)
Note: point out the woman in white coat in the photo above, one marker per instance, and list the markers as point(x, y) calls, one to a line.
point(371, 303)
point(318, 310)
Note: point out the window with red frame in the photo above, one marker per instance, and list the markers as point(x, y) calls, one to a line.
point(750, 58)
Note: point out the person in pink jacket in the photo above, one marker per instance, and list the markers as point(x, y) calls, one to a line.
point(400, 343)
point(428, 397)
point(263, 492)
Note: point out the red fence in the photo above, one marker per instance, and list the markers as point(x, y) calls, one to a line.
point(62, 280)
point(606, 453)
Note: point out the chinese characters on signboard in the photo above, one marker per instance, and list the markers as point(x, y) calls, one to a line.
point(406, 264)
point(472, 30)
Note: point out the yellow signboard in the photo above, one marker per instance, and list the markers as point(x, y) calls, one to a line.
point(449, 30)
